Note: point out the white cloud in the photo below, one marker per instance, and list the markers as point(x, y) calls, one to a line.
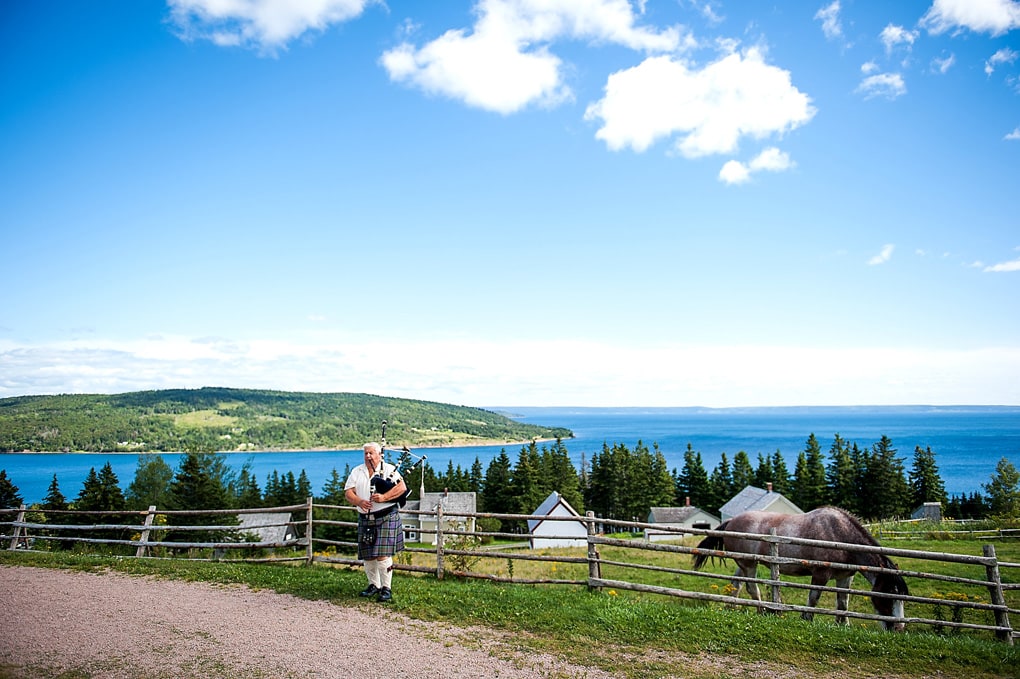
point(943, 65)
point(539, 373)
point(267, 25)
point(1002, 56)
point(771, 160)
point(888, 85)
point(1013, 265)
point(505, 62)
point(884, 256)
point(897, 35)
point(708, 109)
point(869, 67)
point(1014, 135)
point(829, 16)
point(982, 16)
point(734, 172)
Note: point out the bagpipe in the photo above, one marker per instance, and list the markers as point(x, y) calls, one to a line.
point(384, 482)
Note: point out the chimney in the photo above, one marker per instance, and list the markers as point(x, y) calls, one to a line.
point(768, 486)
point(687, 501)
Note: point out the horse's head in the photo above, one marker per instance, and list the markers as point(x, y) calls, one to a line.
point(889, 583)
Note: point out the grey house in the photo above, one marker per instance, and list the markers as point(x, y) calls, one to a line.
point(677, 518)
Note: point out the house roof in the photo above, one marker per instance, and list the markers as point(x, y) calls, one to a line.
point(752, 498)
point(674, 514)
point(456, 503)
point(548, 506)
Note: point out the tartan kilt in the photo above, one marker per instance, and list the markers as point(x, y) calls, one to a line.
point(389, 536)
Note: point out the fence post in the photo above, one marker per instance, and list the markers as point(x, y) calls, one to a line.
point(143, 548)
point(997, 597)
point(594, 564)
point(18, 530)
point(309, 527)
point(774, 566)
point(439, 541)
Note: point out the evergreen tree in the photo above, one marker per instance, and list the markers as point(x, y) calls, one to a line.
point(526, 483)
point(273, 493)
point(841, 476)
point(743, 474)
point(304, 487)
point(763, 473)
point(10, 497)
point(814, 490)
point(54, 498)
point(199, 484)
point(925, 482)
point(151, 483)
point(246, 491)
point(476, 477)
point(497, 489)
point(888, 490)
point(562, 475)
point(692, 481)
point(1004, 491)
point(333, 494)
point(781, 475)
point(720, 486)
point(660, 483)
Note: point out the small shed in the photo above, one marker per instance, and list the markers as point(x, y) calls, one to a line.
point(677, 517)
point(752, 498)
point(558, 533)
point(423, 526)
point(929, 511)
point(269, 526)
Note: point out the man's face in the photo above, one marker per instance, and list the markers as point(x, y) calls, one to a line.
point(373, 456)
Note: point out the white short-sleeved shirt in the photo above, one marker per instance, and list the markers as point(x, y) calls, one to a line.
point(360, 480)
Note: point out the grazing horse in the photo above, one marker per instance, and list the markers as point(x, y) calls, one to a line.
point(825, 523)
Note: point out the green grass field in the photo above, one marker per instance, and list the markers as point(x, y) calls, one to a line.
point(633, 634)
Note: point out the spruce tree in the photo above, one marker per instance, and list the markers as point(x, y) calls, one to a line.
point(199, 484)
point(887, 485)
point(763, 473)
point(10, 497)
point(54, 498)
point(497, 491)
point(926, 484)
point(743, 474)
point(841, 477)
point(693, 480)
point(781, 481)
point(720, 486)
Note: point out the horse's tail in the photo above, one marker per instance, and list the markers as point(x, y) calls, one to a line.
point(710, 542)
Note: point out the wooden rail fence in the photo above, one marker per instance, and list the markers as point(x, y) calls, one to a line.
point(155, 533)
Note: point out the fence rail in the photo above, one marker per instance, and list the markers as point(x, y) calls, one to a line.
point(155, 533)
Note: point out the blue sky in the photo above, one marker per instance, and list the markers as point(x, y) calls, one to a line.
point(514, 202)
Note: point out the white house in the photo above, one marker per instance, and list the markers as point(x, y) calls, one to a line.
point(677, 517)
point(752, 498)
point(556, 533)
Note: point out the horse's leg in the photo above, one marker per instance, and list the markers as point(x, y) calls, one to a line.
point(750, 570)
point(818, 579)
point(843, 598)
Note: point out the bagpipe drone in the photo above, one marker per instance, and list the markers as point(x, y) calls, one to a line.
point(383, 483)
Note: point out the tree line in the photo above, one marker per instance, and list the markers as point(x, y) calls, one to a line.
point(618, 482)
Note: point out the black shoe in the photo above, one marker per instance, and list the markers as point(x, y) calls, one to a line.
point(385, 595)
point(369, 591)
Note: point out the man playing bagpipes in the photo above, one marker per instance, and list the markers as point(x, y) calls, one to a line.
point(376, 489)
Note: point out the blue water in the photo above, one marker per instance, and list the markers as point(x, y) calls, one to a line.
point(967, 441)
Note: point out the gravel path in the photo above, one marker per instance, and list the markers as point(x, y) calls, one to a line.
point(117, 626)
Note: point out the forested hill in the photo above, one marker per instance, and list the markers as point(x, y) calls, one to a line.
point(222, 419)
